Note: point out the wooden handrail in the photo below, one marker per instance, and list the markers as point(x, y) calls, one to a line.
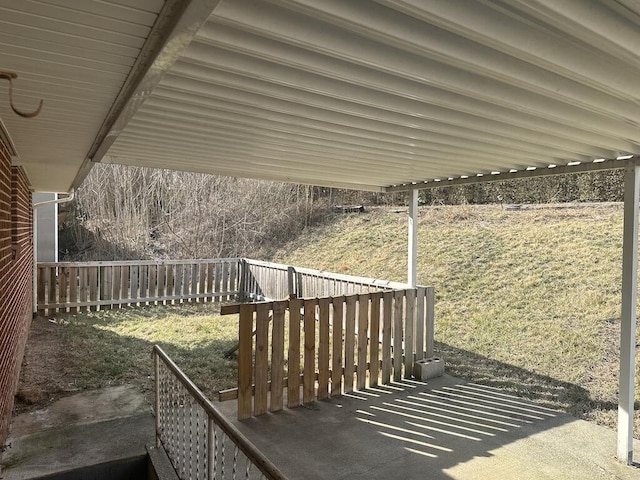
point(330, 275)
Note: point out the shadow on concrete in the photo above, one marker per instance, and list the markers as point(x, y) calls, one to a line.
point(501, 422)
point(443, 429)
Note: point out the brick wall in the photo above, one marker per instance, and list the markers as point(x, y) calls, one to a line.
point(16, 257)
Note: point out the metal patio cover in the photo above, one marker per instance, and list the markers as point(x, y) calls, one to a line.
point(356, 94)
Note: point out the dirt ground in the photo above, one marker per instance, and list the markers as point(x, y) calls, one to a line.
point(43, 378)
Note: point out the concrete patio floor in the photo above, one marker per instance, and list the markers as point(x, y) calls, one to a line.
point(102, 428)
point(443, 429)
point(446, 429)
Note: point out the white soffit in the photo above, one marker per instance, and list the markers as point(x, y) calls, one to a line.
point(76, 56)
point(370, 95)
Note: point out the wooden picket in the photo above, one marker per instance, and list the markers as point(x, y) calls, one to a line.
point(273, 281)
point(351, 333)
point(379, 344)
point(72, 287)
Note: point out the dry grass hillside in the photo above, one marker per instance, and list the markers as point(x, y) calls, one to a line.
point(528, 300)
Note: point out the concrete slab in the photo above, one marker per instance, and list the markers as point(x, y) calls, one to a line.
point(443, 429)
point(91, 428)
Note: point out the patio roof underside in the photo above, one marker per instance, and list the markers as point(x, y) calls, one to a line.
point(372, 95)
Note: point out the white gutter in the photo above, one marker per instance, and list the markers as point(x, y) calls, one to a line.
point(35, 243)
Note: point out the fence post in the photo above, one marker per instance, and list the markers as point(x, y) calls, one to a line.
point(420, 322)
point(430, 342)
point(293, 387)
point(156, 366)
point(245, 360)
point(53, 295)
point(309, 364)
point(211, 445)
point(299, 290)
point(409, 331)
point(41, 292)
point(242, 282)
point(261, 358)
point(291, 276)
point(398, 334)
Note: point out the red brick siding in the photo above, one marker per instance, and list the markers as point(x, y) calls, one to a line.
point(16, 257)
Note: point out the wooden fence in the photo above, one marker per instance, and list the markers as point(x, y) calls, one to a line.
point(273, 281)
point(263, 281)
point(320, 347)
point(69, 287)
point(80, 286)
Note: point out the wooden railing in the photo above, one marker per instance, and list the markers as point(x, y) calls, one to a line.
point(199, 441)
point(317, 283)
point(274, 281)
point(264, 280)
point(69, 287)
point(329, 345)
point(81, 286)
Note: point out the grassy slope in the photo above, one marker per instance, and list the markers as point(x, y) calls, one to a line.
point(528, 300)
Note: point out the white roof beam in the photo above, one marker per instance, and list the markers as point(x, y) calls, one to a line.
point(490, 25)
point(292, 131)
point(596, 166)
point(229, 168)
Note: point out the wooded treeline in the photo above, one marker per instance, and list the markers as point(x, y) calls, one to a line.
point(125, 212)
point(605, 186)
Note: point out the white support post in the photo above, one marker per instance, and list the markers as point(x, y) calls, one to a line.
point(412, 259)
point(628, 317)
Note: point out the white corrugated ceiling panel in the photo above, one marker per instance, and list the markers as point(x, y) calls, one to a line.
point(374, 94)
point(76, 56)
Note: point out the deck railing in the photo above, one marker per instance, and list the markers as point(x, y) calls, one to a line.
point(73, 286)
point(330, 346)
point(200, 442)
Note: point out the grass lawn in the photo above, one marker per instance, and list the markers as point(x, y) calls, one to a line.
point(527, 300)
point(91, 350)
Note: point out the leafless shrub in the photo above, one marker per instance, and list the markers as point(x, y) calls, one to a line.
point(125, 212)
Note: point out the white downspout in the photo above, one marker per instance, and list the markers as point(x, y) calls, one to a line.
point(35, 243)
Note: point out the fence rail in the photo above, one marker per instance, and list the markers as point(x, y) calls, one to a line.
point(329, 345)
point(200, 442)
point(71, 286)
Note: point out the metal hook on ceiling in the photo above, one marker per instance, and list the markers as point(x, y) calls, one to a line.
point(10, 76)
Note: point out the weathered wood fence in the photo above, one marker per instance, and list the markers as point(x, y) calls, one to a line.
point(319, 332)
point(81, 286)
point(274, 281)
point(69, 287)
point(328, 346)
